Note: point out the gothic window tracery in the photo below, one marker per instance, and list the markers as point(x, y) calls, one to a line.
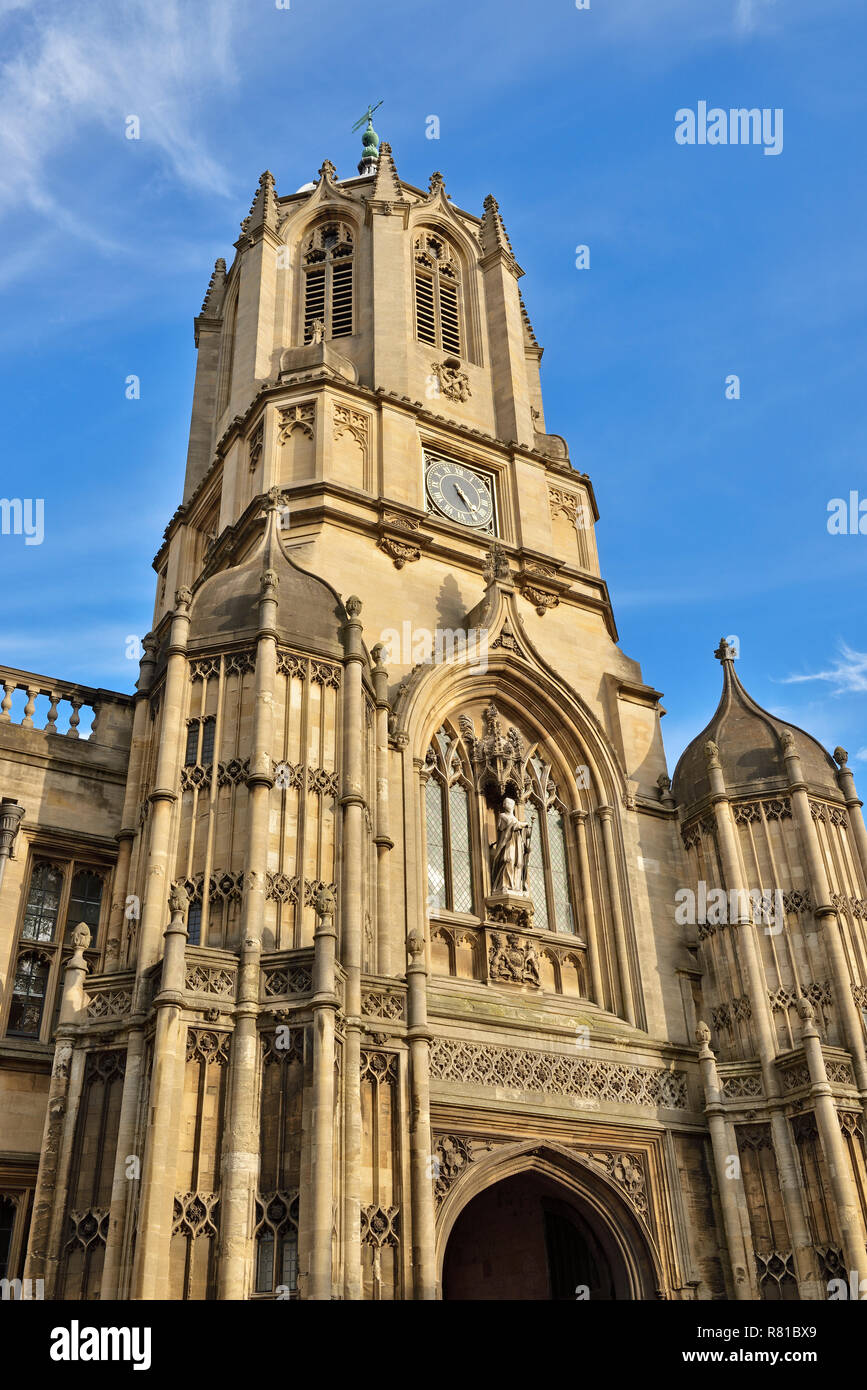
point(549, 866)
point(59, 896)
point(447, 806)
point(327, 268)
point(437, 293)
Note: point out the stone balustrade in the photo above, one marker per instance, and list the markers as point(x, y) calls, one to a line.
point(67, 702)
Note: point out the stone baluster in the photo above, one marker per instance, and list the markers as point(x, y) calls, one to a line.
point(9, 688)
point(75, 718)
point(32, 692)
point(51, 719)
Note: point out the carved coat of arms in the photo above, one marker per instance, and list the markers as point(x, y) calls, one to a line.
point(513, 959)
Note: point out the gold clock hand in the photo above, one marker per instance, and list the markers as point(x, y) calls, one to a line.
point(463, 496)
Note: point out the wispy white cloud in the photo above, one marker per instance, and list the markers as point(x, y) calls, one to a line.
point(847, 676)
point(81, 69)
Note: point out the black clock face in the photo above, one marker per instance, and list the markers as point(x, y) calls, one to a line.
point(459, 493)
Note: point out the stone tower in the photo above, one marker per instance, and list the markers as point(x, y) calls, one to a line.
point(343, 959)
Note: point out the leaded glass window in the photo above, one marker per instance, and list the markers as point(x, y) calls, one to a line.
point(548, 870)
point(449, 839)
point(43, 902)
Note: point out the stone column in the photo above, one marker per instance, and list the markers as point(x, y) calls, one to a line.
point(240, 1163)
point(382, 839)
point(132, 795)
point(846, 783)
point(420, 1138)
point(49, 1199)
point(324, 1004)
point(833, 1147)
point(748, 950)
point(588, 912)
point(606, 816)
point(352, 803)
point(731, 1189)
point(156, 1204)
point(165, 794)
point(826, 915)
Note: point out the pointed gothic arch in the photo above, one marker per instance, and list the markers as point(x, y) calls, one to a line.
point(637, 1266)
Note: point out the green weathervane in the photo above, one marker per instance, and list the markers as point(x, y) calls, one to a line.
point(369, 141)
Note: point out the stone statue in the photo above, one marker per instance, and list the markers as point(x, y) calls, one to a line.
point(510, 854)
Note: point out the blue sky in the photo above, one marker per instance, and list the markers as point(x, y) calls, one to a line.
point(704, 261)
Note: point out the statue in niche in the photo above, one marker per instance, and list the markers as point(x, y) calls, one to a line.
point(511, 852)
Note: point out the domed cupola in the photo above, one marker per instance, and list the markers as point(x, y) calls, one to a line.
point(751, 748)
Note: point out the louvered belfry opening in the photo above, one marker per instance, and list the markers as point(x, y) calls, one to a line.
point(328, 257)
point(437, 294)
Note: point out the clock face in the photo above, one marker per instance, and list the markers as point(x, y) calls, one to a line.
point(459, 493)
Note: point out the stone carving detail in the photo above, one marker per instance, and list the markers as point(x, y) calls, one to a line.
point(497, 758)
point(497, 565)
point(729, 1014)
point(627, 1170)
point(567, 504)
point(452, 1155)
point(746, 812)
point(541, 599)
point(254, 449)
point(742, 1086)
point(754, 1137)
point(297, 417)
point(288, 664)
point(223, 886)
point(380, 1067)
point(234, 664)
point(203, 979)
point(314, 888)
point(400, 552)
point(322, 673)
point(287, 979)
point(513, 959)
point(778, 808)
point(380, 1226)
point(345, 418)
point(109, 1003)
point(229, 774)
point(506, 639)
point(88, 1227)
point(691, 835)
point(381, 1003)
point(196, 1214)
point(291, 1048)
point(797, 1076)
point(453, 383)
point(106, 1066)
point(775, 1267)
point(797, 901)
point(487, 1064)
point(322, 782)
point(817, 991)
point(839, 1072)
point(62, 1060)
point(859, 994)
point(206, 1046)
point(280, 888)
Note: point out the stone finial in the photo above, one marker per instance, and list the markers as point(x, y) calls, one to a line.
point(183, 596)
point(663, 783)
point(353, 605)
point(81, 937)
point(415, 944)
point(327, 171)
point(268, 581)
point(376, 654)
point(212, 305)
point(787, 740)
point(436, 182)
point(492, 233)
point(317, 331)
point(324, 902)
point(496, 564)
point(179, 900)
point(841, 757)
point(711, 753)
point(725, 651)
point(702, 1035)
point(806, 1012)
point(386, 187)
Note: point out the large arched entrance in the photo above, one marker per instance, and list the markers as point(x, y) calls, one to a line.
point(541, 1225)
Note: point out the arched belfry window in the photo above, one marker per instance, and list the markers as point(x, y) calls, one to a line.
point(437, 293)
point(447, 812)
point(327, 268)
point(548, 876)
